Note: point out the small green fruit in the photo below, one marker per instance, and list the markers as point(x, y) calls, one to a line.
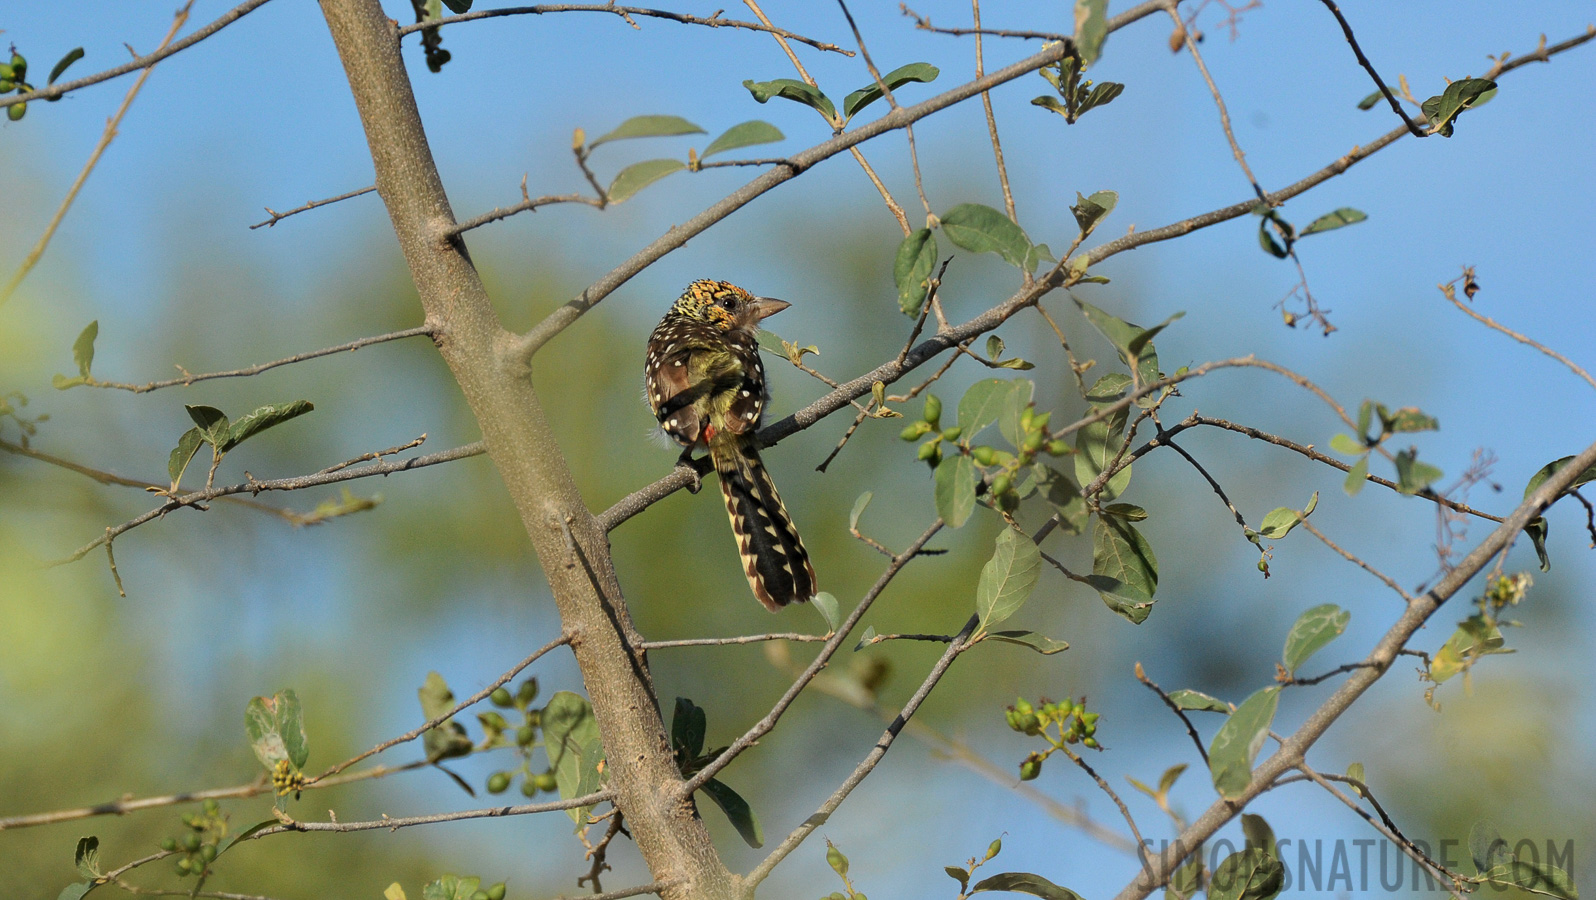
point(547, 783)
point(479, 895)
point(191, 842)
point(501, 698)
point(951, 433)
point(929, 450)
point(496, 892)
point(169, 845)
point(933, 409)
point(983, 455)
point(528, 691)
point(16, 111)
point(525, 735)
point(498, 782)
point(914, 431)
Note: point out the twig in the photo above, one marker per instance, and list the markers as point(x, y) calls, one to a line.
point(963, 754)
point(959, 644)
point(1338, 670)
point(1450, 292)
point(189, 379)
point(1190, 728)
point(764, 725)
point(468, 702)
point(106, 137)
point(745, 639)
point(278, 217)
point(1292, 752)
point(504, 212)
point(1357, 51)
point(393, 823)
point(1385, 579)
point(278, 484)
point(714, 21)
point(653, 887)
point(858, 419)
point(157, 892)
point(1163, 436)
point(1219, 101)
point(138, 62)
point(991, 120)
point(1124, 810)
point(375, 454)
point(924, 24)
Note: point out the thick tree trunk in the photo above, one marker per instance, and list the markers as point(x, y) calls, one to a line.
point(572, 549)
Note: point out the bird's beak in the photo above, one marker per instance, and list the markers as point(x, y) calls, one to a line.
point(764, 307)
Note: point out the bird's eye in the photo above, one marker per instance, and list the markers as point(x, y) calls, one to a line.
point(727, 303)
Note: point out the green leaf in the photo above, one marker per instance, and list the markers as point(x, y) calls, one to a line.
point(826, 604)
point(1369, 101)
point(689, 724)
point(1133, 342)
point(1537, 529)
point(1127, 511)
point(858, 509)
point(246, 834)
point(76, 891)
point(263, 418)
point(1330, 221)
point(1238, 741)
point(657, 126)
point(1043, 645)
point(1259, 834)
point(1129, 601)
point(1252, 874)
point(178, 461)
point(448, 739)
point(1120, 552)
point(451, 887)
point(1097, 445)
point(1355, 771)
point(1449, 104)
point(1535, 877)
point(213, 425)
point(1091, 29)
point(637, 176)
point(911, 270)
point(73, 55)
point(1475, 637)
point(83, 347)
point(1008, 578)
point(870, 93)
point(957, 873)
point(87, 857)
point(1414, 476)
point(1089, 211)
point(982, 229)
point(1315, 628)
point(1279, 522)
point(61, 382)
point(1357, 477)
point(1101, 94)
point(865, 639)
point(1348, 445)
point(275, 727)
point(955, 489)
point(1487, 848)
point(571, 738)
point(1019, 397)
point(1025, 882)
point(1407, 419)
point(459, 8)
point(1552, 468)
point(1186, 698)
point(1170, 776)
point(794, 90)
point(1066, 500)
point(1266, 240)
point(1187, 880)
point(1051, 103)
point(746, 134)
point(983, 404)
point(738, 811)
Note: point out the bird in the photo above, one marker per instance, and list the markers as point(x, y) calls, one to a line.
point(705, 384)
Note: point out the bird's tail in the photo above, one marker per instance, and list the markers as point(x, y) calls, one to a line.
point(774, 558)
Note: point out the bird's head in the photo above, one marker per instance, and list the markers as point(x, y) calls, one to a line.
point(726, 306)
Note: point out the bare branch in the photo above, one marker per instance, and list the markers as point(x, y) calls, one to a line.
point(468, 702)
point(958, 645)
point(764, 725)
point(532, 203)
point(1470, 286)
point(393, 823)
point(923, 23)
point(991, 120)
point(194, 498)
point(278, 217)
point(745, 639)
point(106, 137)
point(714, 21)
point(138, 62)
point(1291, 752)
point(1363, 61)
point(1174, 708)
point(1385, 579)
point(1219, 101)
point(189, 379)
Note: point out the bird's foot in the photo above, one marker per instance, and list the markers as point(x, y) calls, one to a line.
point(686, 461)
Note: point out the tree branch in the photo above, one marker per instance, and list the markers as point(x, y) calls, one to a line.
point(714, 21)
point(278, 217)
point(138, 62)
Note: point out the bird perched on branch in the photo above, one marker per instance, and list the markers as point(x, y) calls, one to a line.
point(706, 386)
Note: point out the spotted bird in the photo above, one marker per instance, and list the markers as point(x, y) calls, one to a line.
point(706, 386)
